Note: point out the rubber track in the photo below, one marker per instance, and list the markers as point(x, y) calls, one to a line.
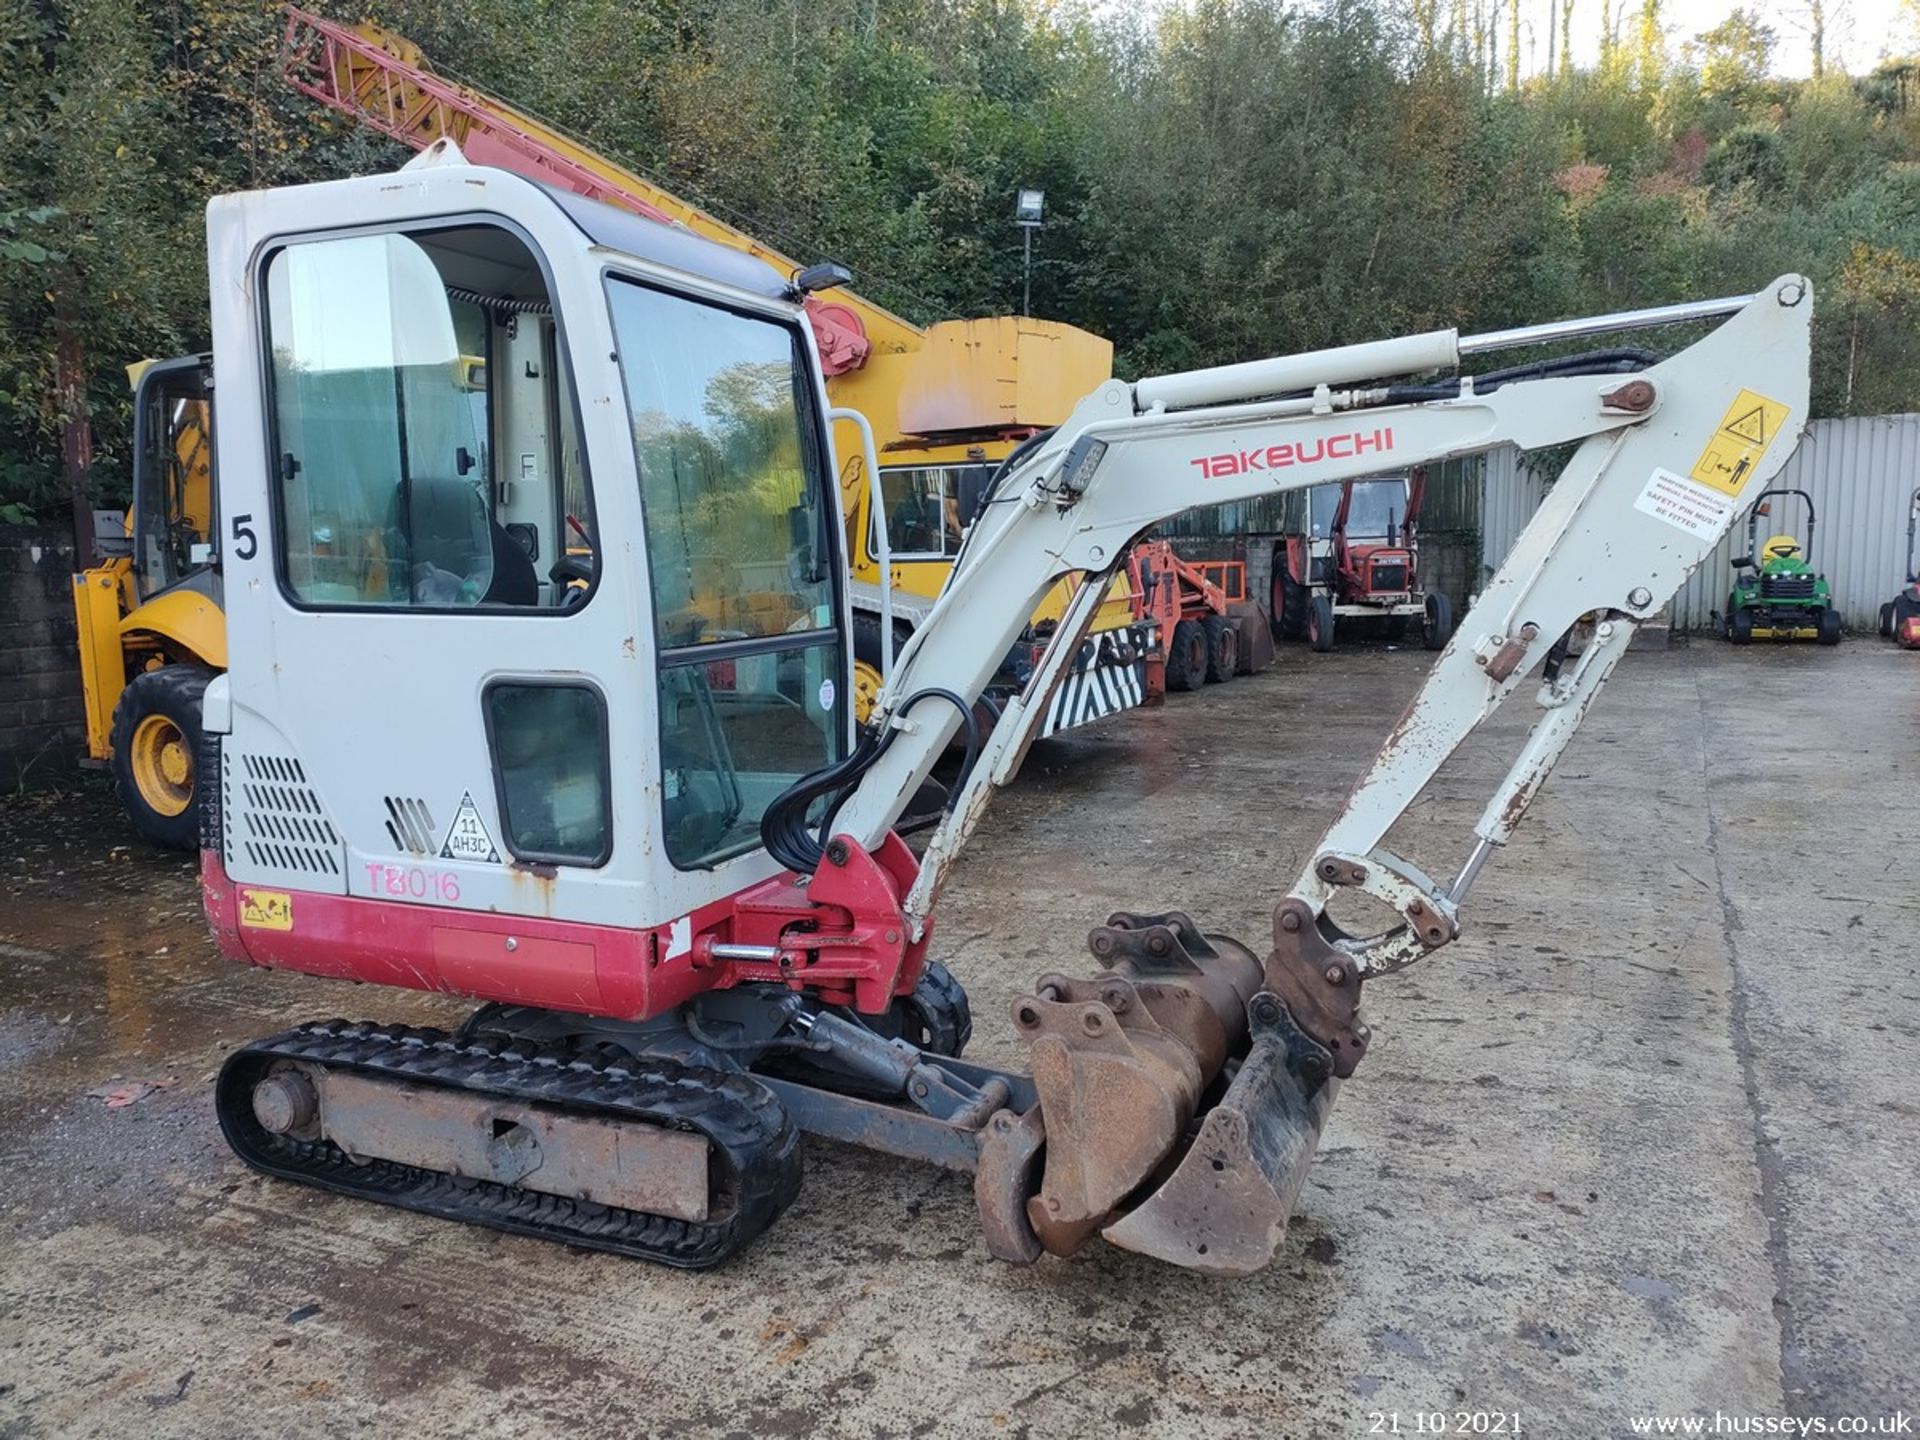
point(755, 1159)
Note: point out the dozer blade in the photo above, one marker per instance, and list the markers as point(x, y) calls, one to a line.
point(1224, 1209)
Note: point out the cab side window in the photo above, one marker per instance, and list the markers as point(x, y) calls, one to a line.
point(425, 452)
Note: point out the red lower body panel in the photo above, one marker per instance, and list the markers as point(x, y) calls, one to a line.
point(843, 937)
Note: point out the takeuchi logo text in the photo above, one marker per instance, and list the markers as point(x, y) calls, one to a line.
point(1294, 452)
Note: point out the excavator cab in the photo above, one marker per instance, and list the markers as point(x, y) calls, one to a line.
point(546, 515)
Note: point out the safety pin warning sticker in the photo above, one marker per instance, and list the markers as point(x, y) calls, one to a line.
point(467, 837)
point(266, 909)
point(1734, 452)
point(1693, 507)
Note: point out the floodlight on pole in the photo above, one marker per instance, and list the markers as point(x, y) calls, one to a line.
point(1029, 208)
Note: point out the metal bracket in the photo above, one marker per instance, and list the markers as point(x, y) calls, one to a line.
point(1428, 915)
point(1315, 983)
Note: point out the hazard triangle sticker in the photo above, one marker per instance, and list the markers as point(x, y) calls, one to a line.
point(1751, 426)
point(467, 837)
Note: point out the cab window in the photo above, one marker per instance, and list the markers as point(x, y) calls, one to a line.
point(1378, 510)
point(928, 507)
point(741, 527)
point(424, 445)
point(173, 475)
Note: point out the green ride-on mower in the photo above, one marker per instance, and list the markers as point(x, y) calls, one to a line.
point(1776, 595)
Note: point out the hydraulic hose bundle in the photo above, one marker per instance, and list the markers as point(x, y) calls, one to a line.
point(784, 828)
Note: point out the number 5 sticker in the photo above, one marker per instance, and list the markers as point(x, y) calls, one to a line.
point(245, 543)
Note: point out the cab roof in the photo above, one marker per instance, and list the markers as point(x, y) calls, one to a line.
point(669, 245)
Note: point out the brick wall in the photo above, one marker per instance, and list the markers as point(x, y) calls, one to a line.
point(43, 728)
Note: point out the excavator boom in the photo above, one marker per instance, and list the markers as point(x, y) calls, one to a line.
point(1670, 455)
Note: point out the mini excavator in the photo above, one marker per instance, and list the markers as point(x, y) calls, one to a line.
point(488, 451)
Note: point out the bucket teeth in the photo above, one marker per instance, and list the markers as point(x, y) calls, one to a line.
point(1224, 1209)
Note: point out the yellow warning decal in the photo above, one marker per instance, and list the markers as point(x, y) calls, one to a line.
point(266, 909)
point(1734, 452)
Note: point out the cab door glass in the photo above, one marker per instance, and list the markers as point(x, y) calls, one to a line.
point(729, 468)
point(173, 479)
point(741, 527)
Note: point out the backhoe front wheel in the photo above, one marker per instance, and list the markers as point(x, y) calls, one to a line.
point(1223, 648)
point(1436, 626)
point(156, 753)
point(1289, 600)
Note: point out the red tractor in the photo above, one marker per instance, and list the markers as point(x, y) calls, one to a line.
point(1356, 555)
point(1900, 616)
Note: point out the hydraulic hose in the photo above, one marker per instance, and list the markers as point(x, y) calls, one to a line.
point(784, 829)
point(1620, 361)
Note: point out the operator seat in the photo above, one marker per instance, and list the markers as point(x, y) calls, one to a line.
point(451, 543)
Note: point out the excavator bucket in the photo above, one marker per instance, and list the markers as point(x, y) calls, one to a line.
point(1224, 1208)
point(1182, 1099)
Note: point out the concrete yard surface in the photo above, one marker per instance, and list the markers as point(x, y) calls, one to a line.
point(1642, 1142)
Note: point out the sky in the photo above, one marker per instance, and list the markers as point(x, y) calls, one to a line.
point(1859, 32)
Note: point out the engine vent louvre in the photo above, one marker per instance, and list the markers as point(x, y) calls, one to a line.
point(410, 824)
point(1389, 577)
point(274, 818)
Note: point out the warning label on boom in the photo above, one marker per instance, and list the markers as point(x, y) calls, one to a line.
point(1734, 452)
point(1699, 511)
point(467, 837)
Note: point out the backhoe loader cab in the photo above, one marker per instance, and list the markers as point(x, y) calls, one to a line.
point(173, 501)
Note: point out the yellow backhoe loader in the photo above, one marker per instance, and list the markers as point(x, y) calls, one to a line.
point(149, 614)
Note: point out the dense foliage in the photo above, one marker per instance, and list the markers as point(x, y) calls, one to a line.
point(1224, 177)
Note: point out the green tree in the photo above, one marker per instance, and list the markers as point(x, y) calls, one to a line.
point(1735, 55)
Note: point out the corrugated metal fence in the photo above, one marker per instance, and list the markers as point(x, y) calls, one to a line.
point(1860, 473)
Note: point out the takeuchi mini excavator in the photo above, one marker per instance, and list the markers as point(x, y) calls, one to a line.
point(665, 863)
